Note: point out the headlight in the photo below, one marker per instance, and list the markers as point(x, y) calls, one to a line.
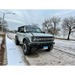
point(34, 39)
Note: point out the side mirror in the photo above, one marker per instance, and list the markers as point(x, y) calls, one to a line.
point(22, 31)
point(43, 32)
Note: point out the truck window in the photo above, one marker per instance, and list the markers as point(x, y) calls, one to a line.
point(18, 29)
point(22, 29)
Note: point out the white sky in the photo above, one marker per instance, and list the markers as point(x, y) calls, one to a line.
point(29, 16)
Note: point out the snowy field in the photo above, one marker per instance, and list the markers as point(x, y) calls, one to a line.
point(64, 45)
point(62, 54)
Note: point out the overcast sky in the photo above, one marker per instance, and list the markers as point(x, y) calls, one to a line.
point(27, 17)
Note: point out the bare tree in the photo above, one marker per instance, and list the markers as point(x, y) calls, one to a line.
point(44, 29)
point(73, 34)
point(69, 24)
point(47, 24)
point(35, 25)
point(55, 21)
point(5, 26)
point(51, 25)
point(64, 32)
point(0, 23)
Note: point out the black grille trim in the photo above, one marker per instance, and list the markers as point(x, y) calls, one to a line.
point(44, 39)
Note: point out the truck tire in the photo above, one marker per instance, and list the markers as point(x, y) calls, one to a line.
point(49, 48)
point(16, 40)
point(26, 48)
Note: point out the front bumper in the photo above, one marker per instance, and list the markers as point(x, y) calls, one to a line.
point(41, 45)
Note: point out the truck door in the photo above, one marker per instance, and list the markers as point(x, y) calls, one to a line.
point(21, 34)
point(18, 34)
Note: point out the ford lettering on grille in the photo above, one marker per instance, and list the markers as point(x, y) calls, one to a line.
point(43, 39)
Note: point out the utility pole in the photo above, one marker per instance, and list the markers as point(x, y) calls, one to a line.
point(3, 21)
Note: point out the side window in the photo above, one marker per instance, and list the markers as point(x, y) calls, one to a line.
point(18, 29)
point(22, 29)
point(25, 29)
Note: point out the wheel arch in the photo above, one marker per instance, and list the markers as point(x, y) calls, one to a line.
point(26, 39)
point(16, 37)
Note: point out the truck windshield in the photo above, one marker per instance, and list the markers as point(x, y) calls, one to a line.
point(32, 29)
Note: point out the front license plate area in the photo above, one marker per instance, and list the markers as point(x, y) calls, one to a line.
point(45, 47)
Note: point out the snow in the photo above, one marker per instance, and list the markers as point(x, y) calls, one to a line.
point(0, 42)
point(64, 45)
point(15, 55)
point(62, 54)
point(42, 34)
point(12, 36)
point(1, 39)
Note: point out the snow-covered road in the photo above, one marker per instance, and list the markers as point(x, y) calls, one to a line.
point(62, 54)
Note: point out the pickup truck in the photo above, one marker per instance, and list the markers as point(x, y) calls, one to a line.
point(33, 37)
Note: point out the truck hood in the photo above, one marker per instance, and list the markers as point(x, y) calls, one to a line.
point(42, 34)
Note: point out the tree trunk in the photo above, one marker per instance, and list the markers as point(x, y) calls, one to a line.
point(54, 28)
point(47, 29)
point(69, 34)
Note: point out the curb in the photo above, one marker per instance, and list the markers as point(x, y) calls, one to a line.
point(5, 53)
point(5, 57)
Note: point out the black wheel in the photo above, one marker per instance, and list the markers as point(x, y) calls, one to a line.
point(49, 48)
point(26, 48)
point(16, 40)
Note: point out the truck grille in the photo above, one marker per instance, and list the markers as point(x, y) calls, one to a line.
point(43, 39)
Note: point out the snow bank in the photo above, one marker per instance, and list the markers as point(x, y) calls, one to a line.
point(0, 42)
point(1, 39)
point(12, 36)
point(15, 55)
